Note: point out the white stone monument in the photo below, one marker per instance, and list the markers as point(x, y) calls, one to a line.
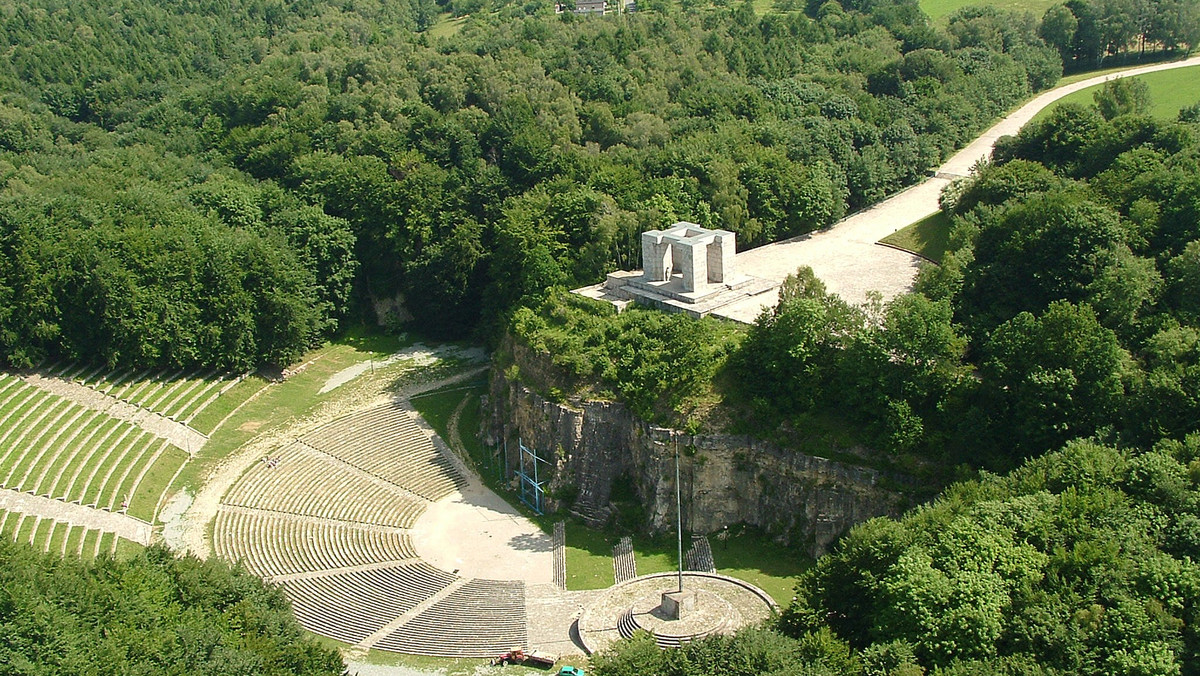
point(685, 268)
point(699, 255)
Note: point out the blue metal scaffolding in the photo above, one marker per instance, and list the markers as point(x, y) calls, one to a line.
point(532, 492)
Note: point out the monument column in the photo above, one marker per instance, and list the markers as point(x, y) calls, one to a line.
point(693, 261)
point(656, 256)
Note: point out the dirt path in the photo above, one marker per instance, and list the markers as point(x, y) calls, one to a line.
point(847, 257)
point(419, 355)
point(76, 515)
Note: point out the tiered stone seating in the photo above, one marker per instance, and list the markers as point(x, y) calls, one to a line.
point(327, 522)
point(624, 564)
point(22, 402)
point(28, 430)
point(388, 443)
point(175, 394)
point(59, 449)
point(273, 544)
point(57, 537)
point(305, 483)
point(480, 619)
point(351, 606)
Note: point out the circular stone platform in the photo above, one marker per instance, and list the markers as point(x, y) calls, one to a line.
point(723, 605)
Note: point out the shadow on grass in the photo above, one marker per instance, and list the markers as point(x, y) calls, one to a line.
point(370, 339)
point(749, 549)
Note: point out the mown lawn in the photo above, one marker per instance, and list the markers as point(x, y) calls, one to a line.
point(938, 9)
point(928, 237)
point(446, 25)
point(1170, 91)
point(760, 561)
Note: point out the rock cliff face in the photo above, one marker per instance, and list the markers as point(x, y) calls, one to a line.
point(724, 479)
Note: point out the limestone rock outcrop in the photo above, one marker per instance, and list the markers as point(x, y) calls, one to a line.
point(725, 479)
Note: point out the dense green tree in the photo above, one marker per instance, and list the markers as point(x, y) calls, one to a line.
point(380, 153)
point(156, 613)
point(1052, 377)
point(1058, 28)
point(1122, 96)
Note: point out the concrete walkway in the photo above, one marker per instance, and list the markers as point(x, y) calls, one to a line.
point(76, 515)
point(847, 257)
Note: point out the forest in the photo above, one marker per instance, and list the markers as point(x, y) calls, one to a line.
point(1066, 308)
point(153, 614)
point(1082, 561)
point(226, 183)
point(1057, 347)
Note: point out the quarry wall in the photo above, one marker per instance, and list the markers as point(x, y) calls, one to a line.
point(725, 480)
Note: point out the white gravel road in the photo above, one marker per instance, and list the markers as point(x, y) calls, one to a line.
point(847, 256)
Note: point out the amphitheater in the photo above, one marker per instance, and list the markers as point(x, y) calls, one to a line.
point(376, 530)
point(384, 540)
point(330, 517)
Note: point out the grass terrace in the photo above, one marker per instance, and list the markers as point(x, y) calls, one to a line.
point(1170, 92)
point(56, 448)
point(63, 539)
point(928, 238)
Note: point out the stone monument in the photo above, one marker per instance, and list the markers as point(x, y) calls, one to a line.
point(685, 268)
point(700, 256)
point(677, 604)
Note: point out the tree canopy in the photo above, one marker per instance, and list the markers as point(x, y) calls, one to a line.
point(225, 184)
point(153, 614)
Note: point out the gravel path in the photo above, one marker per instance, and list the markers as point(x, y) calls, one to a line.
point(76, 515)
point(847, 257)
point(418, 355)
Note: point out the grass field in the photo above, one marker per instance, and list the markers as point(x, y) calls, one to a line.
point(928, 237)
point(939, 9)
point(446, 25)
point(1170, 91)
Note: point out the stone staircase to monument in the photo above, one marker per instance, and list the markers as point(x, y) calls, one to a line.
point(699, 556)
point(624, 565)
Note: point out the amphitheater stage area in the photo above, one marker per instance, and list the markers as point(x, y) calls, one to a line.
point(382, 541)
point(719, 605)
point(474, 533)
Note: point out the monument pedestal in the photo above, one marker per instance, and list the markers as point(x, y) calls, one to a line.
point(677, 604)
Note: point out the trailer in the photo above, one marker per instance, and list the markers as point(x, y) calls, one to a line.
point(527, 657)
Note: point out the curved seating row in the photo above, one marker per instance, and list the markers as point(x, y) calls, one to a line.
point(329, 505)
point(299, 481)
point(480, 619)
point(351, 606)
point(273, 544)
point(387, 442)
point(56, 448)
point(56, 537)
